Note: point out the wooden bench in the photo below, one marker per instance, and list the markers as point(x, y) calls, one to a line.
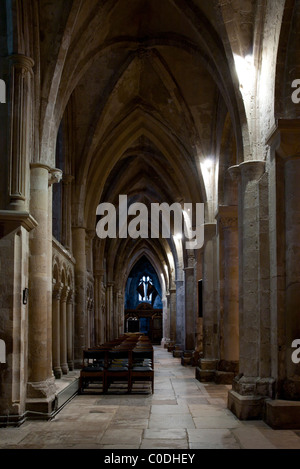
point(142, 367)
point(127, 360)
point(118, 364)
point(93, 368)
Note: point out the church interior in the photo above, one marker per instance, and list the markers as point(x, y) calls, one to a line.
point(186, 103)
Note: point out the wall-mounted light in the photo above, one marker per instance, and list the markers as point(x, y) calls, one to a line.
point(25, 296)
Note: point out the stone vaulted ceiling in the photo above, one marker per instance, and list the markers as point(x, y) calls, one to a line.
point(145, 92)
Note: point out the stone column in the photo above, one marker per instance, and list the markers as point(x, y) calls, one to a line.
point(20, 130)
point(80, 320)
point(166, 320)
point(208, 364)
point(110, 310)
point(229, 294)
point(70, 331)
point(285, 148)
point(97, 281)
point(55, 176)
point(92, 320)
point(99, 296)
point(116, 313)
point(180, 324)
point(56, 331)
point(172, 314)
point(292, 242)
point(103, 313)
point(41, 387)
point(120, 328)
point(249, 392)
point(190, 306)
point(63, 330)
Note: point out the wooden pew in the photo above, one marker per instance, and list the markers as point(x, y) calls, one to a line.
point(126, 359)
point(118, 363)
point(93, 368)
point(142, 366)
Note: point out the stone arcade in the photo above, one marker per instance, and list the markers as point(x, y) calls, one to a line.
point(167, 101)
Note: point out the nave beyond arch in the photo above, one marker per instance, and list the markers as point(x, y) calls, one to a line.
point(173, 102)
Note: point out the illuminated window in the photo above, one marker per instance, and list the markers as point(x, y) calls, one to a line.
point(145, 289)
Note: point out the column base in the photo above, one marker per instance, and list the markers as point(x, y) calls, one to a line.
point(248, 396)
point(171, 346)
point(165, 342)
point(226, 371)
point(246, 407)
point(206, 371)
point(204, 376)
point(218, 371)
point(177, 352)
point(224, 377)
point(41, 398)
point(291, 389)
point(65, 368)
point(71, 365)
point(57, 372)
point(282, 415)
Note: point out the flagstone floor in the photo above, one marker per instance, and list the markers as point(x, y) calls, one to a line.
point(181, 414)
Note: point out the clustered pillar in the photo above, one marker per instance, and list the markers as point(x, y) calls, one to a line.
point(62, 330)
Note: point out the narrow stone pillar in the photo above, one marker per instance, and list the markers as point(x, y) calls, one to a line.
point(110, 310)
point(209, 292)
point(63, 330)
point(55, 176)
point(208, 364)
point(70, 331)
point(116, 313)
point(80, 320)
point(229, 293)
point(190, 306)
point(180, 324)
point(120, 329)
point(166, 319)
point(97, 287)
point(41, 386)
point(103, 313)
point(99, 301)
point(56, 331)
point(21, 129)
point(172, 314)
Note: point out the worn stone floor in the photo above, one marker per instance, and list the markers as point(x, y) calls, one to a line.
point(181, 414)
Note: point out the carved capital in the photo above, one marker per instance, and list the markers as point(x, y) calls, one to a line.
point(21, 61)
point(252, 170)
point(56, 293)
point(235, 173)
point(55, 176)
point(64, 294)
point(248, 170)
